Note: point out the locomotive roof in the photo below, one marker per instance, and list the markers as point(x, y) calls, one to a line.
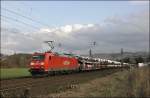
point(38, 53)
point(65, 54)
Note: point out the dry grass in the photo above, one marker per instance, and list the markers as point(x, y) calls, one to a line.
point(139, 82)
point(127, 83)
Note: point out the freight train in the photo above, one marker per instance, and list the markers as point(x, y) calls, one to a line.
point(50, 62)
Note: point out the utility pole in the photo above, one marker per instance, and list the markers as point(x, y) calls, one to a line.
point(122, 56)
point(90, 51)
point(94, 44)
point(59, 45)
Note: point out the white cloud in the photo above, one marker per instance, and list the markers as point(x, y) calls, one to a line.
point(77, 27)
point(129, 32)
point(66, 29)
point(45, 30)
point(90, 25)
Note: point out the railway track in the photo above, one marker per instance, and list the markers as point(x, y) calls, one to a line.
point(20, 85)
point(39, 85)
point(22, 82)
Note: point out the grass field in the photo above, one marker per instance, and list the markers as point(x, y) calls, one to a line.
point(132, 83)
point(7, 73)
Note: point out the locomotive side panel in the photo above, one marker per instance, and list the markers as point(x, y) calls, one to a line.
point(57, 63)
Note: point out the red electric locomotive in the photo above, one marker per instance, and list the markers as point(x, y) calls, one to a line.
point(48, 62)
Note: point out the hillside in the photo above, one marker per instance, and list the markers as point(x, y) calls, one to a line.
point(118, 55)
point(22, 59)
point(131, 56)
point(16, 60)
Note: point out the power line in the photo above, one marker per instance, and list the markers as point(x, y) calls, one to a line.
point(10, 18)
point(17, 29)
point(29, 31)
point(25, 17)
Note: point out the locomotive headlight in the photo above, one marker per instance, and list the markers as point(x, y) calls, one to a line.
point(42, 63)
point(31, 63)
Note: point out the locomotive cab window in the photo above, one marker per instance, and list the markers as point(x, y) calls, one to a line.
point(38, 57)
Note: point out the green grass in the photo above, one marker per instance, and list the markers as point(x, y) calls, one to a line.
point(7, 73)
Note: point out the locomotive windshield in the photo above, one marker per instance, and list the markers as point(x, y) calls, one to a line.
point(38, 57)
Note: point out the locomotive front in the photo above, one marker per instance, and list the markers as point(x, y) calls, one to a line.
point(37, 63)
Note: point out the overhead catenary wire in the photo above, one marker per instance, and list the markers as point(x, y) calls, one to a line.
point(33, 20)
point(18, 26)
point(16, 20)
point(19, 21)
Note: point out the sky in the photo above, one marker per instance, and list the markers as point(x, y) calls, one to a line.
point(76, 25)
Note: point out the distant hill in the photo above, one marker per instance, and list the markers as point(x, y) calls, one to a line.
point(22, 60)
point(117, 56)
point(16, 60)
